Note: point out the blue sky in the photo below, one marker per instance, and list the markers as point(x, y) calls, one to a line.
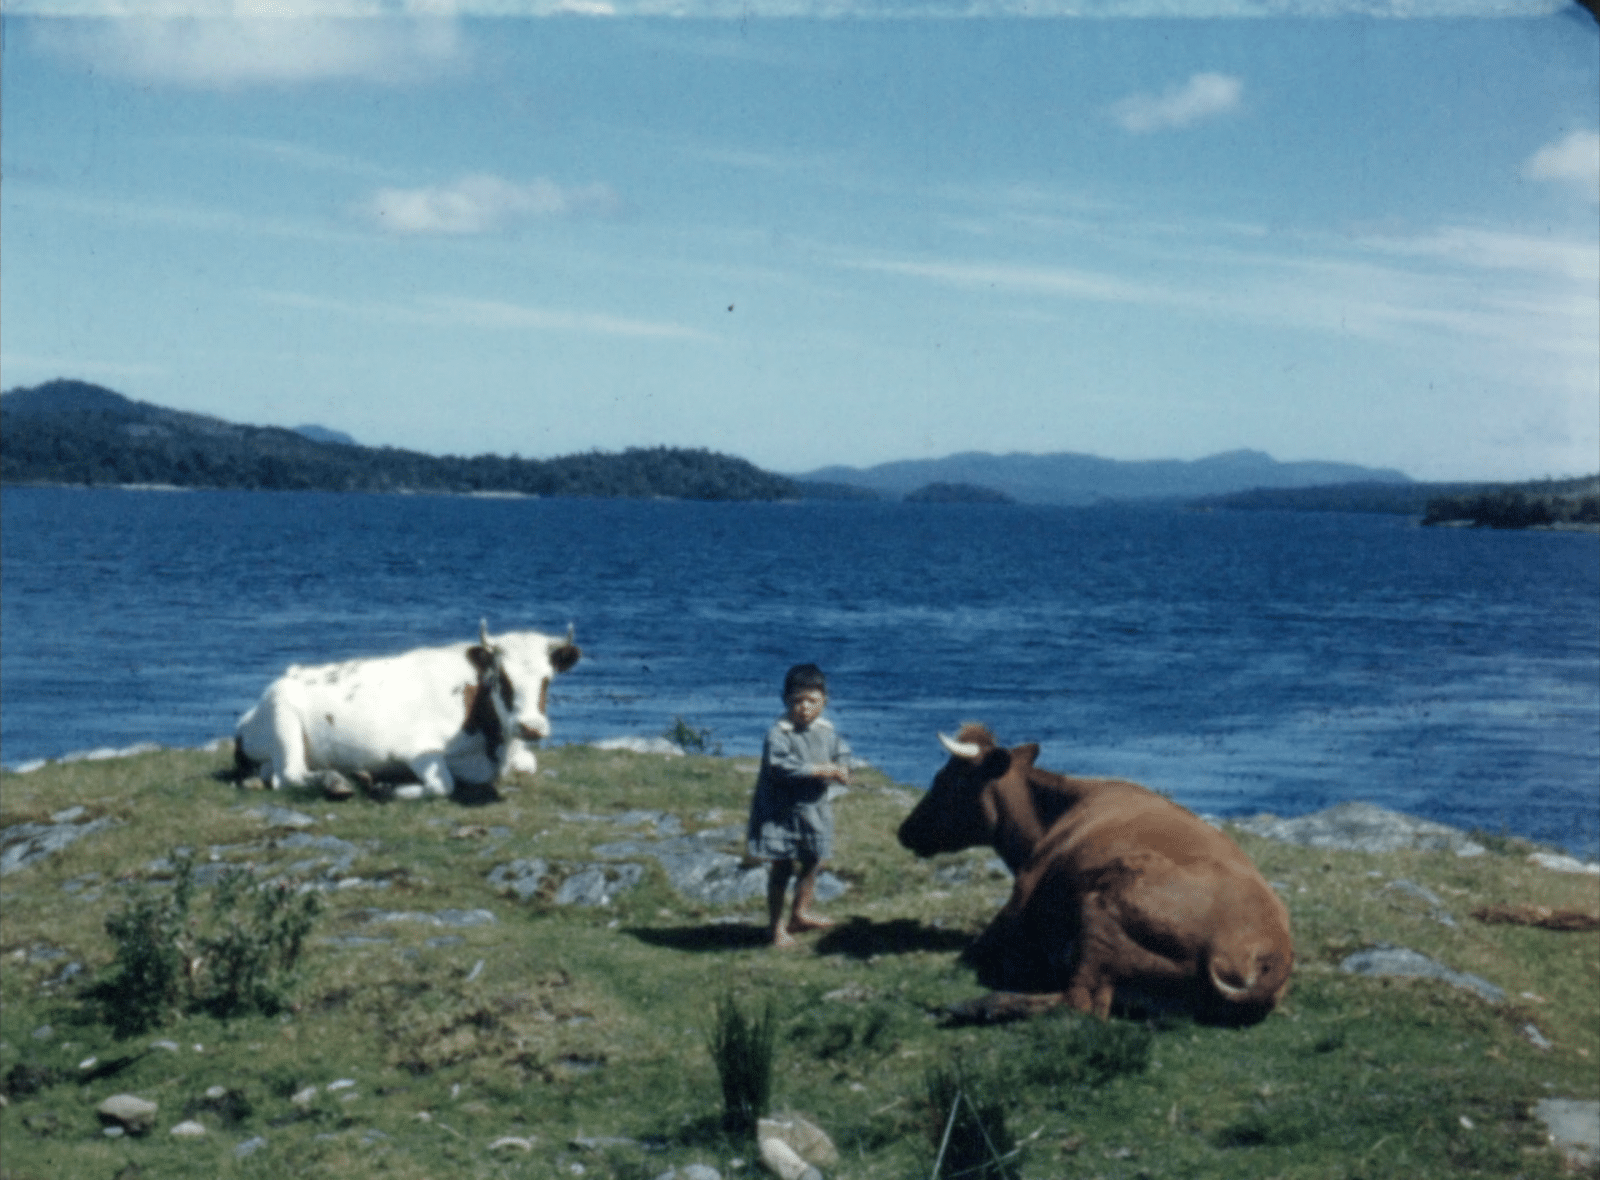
point(820, 231)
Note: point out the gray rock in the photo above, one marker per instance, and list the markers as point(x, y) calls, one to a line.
point(1536, 1038)
point(1360, 827)
point(22, 845)
point(521, 877)
point(1574, 1128)
point(1558, 863)
point(1402, 962)
point(452, 918)
point(701, 871)
point(189, 1129)
point(640, 745)
point(596, 885)
point(135, 1115)
point(1421, 893)
point(280, 817)
point(963, 872)
point(249, 1147)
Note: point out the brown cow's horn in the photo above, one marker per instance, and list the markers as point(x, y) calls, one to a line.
point(967, 750)
point(1227, 990)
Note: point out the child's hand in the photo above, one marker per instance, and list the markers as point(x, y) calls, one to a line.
point(833, 770)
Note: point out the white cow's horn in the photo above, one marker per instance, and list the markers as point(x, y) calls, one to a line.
point(483, 632)
point(967, 750)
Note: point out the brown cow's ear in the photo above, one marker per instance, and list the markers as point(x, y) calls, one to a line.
point(996, 762)
point(480, 658)
point(1027, 755)
point(564, 657)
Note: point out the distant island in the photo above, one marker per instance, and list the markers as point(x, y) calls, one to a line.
point(956, 493)
point(1530, 504)
point(71, 432)
point(77, 433)
point(1073, 479)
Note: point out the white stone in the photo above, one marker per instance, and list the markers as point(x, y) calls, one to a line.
point(784, 1162)
point(189, 1129)
point(135, 1114)
point(511, 1141)
point(1558, 863)
point(807, 1139)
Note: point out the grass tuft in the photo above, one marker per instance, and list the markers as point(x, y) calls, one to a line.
point(742, 1048)
point(967, 1127)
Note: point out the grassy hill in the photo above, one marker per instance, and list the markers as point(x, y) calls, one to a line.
point(435, 1013)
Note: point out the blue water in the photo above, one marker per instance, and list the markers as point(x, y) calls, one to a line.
point(1240, 661)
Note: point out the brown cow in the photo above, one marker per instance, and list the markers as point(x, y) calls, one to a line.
point(1117, 889)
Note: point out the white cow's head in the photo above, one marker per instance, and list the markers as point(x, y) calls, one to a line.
point(513, 692)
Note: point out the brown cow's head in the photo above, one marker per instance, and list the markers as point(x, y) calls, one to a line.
point(955, 813)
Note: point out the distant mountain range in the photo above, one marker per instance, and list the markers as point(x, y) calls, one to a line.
point(1066, 478)
point(72, 432)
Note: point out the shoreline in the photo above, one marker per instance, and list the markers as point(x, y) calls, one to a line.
point(1351, 825)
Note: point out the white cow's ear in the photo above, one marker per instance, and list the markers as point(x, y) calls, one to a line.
point(563, 652)
point(970, 751)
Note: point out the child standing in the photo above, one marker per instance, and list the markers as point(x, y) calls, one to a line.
point(791, 821)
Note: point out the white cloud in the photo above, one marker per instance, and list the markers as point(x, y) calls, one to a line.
point(1516, 296)
point(450, 311)
point(1574, 159)
point(1203, 96)
point(482, 203)
point(260, 48)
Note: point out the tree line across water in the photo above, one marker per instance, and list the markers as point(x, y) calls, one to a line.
point(73, 432)
point(68, 432)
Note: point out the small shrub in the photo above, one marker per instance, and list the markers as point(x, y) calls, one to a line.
point(967, 1131)
point(260, 933)
point(691, 740)
point(742, 1050)
point(152, 956)
point(238, 961)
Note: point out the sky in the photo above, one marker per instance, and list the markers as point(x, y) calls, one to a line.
point(811, 232)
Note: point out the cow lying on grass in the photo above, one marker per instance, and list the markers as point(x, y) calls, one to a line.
point(460, 713)
point(1118, 891)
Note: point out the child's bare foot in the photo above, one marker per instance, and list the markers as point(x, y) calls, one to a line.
point(802, 922)
point(782, 939)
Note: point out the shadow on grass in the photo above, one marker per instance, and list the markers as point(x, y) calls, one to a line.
point(710, 937)
point(861, 938)
point(857, 938)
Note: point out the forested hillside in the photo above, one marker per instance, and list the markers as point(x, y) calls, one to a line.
point(1520, 505)
point(70, 432)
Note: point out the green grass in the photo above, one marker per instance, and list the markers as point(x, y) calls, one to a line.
point(596, 1022)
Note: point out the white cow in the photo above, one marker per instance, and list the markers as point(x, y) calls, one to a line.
point(460, 713)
